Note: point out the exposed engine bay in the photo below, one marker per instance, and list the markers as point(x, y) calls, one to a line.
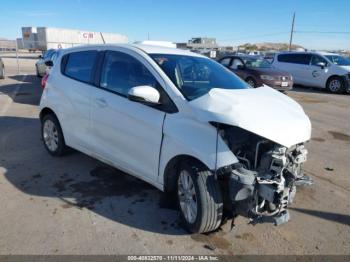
point(264, 181)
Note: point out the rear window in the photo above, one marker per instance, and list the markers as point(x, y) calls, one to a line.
point(303, 59)
point(79, 65)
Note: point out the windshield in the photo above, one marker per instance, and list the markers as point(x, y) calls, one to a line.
point(196, 76)
point(339, 60)
point(256, 62)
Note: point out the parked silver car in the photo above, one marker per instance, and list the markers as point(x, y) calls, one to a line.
point(41, 68)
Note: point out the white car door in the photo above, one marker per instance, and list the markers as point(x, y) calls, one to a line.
point(127, 133)
point(73, 99)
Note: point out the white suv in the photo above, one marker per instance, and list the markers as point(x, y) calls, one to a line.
point(183, 123)
point(316, 69)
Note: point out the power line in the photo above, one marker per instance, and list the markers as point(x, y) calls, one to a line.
point(253, 36)
point(322, 32)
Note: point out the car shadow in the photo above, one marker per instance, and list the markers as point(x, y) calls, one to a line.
point(81, 182)
point(314, 90)
point(334, 217)
point(30, 89)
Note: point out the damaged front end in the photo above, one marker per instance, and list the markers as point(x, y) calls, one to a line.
point(264, 181)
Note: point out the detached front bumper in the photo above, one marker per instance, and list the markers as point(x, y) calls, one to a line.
point(268, 190)
point(257, 198)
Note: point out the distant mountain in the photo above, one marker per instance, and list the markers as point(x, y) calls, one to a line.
point(269, 46)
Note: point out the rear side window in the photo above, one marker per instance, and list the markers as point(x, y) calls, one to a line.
point(79, 65)
point(235, 63)
point(303, 59)
point(225, 61)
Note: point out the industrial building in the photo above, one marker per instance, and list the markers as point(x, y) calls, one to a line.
point(44, 38)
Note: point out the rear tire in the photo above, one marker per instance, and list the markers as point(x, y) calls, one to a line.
point(207, 198)
point(52, 135)
point(251, 81)
point(335, 85)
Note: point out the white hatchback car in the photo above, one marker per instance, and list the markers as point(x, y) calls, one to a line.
point(183, 123)
point(316, 69)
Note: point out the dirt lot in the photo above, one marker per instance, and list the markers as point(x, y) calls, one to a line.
point(77, 205)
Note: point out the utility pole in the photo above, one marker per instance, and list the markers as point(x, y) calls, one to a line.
point(291, 33)
point(103, 39)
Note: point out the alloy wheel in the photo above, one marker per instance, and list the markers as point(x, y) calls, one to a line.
point(335, 85)
point(50, 135)
point(187, 197)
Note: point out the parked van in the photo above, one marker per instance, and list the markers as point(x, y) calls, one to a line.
point(183, 123)
point(316, 69)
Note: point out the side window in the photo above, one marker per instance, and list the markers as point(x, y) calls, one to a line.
point(303, 59)
point(79, 65)
point(225, 61)
point(121, 72)
point(286, 58)
point(317, 59)
point(235, 63)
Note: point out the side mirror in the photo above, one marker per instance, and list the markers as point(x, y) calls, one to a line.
point(241, 67)
point(144, 94)
point(49, 63)
point(321, 64)
point(40, 56)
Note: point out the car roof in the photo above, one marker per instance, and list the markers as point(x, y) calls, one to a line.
point(153, 49)
point(149, 49)
point(326, 53)
point(307, 52)
point(241, 56)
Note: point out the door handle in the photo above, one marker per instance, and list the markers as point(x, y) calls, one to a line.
point(101, 102)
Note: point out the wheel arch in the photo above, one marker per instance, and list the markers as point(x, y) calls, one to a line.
point(172, 167)
point(332, 76)
point(45, 111)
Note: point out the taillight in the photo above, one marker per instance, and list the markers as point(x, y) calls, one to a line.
point(44, 80)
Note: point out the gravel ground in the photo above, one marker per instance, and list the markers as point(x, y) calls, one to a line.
point(78, 205)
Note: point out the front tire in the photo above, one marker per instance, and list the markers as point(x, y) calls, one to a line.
point(199, 198)
point(335, 85)
point(52, 135)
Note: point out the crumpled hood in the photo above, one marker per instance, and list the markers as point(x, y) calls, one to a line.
point(263, 111)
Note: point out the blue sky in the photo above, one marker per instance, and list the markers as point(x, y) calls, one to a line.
point(231, 22)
